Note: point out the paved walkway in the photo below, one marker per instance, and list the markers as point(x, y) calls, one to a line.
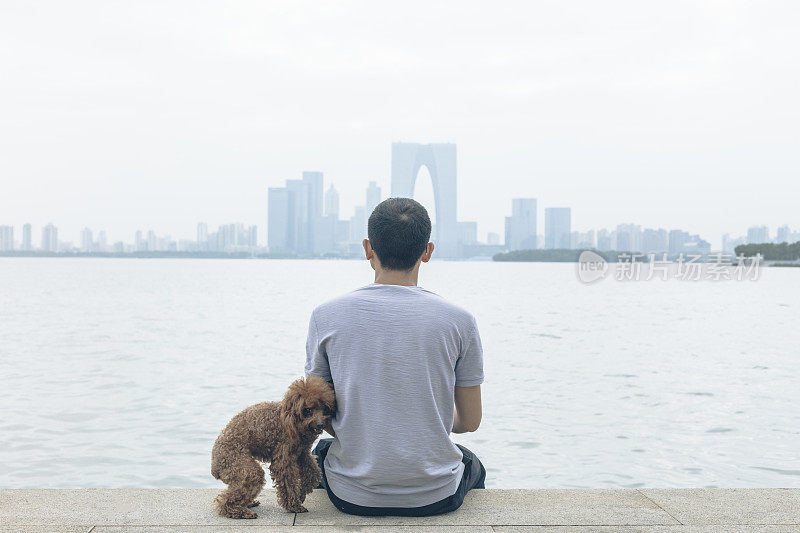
point(529, 511)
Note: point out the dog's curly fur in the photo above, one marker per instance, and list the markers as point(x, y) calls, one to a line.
point(280, 433)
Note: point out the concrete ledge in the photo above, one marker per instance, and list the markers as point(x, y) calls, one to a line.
point(532, 511)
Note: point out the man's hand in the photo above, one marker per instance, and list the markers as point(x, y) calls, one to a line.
point(468, 410)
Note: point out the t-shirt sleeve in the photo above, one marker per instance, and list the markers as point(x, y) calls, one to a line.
point(316, 358)
point(469, 366)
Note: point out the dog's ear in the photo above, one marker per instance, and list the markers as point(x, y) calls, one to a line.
point(324, 390)
point(290, 410)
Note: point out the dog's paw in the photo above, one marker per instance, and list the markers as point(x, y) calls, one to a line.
point(241, 513)
point(297, 509)
point(254, 503)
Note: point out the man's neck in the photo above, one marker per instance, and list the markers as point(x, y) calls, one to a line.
point(397, 277)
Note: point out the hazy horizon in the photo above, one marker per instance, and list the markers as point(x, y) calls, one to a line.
point(121, 116)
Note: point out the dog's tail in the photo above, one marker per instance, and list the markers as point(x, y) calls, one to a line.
point(215, 461)
point(214, 464)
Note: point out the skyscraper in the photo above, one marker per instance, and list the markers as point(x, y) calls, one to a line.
point(655, 241)
point(299, 230)
point(332, 202)
point(373, 197)
point(629, 238)
point(468, 232)
point(50, 238)
point(342, 232)
point(308, 209)
point(784, 234)
point(314, 207)
point(604, 241)
point(729, 243)
point(314, 181)
point(681, 242)
point(521, 225)
point(152, 241)
point(101, 244)
point(677, 240)
point(582, 239)
point(557, 227)
point(202, 236)
point(757, 234)
point(294, 212)
point(325, 234)
point(138, 242)
point(279, 214)
point(27, 241)
point(226, 237)
point(358, 224)
point(6, 238)
point(87, 241)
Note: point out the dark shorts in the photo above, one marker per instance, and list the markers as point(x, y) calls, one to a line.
point(473, 478)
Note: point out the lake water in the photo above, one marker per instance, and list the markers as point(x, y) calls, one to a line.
point(121, 372)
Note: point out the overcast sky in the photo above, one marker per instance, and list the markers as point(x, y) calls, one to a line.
point(128, 115)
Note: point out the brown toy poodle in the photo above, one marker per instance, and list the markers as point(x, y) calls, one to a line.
point(280, 433)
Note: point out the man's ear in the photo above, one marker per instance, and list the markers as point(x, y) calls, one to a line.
point(370, 254)
point(426, 255)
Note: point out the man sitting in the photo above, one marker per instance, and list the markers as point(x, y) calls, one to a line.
point(407, 366)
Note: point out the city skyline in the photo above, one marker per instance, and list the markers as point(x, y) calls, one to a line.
point(184, 229)
point(520, 232)
point(304, 219)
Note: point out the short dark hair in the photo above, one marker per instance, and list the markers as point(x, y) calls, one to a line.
point(399, 230)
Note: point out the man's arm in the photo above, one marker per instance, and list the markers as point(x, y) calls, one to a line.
point(468, 410)
point(317, 360)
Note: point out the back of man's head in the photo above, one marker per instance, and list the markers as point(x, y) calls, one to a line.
point(399, 230)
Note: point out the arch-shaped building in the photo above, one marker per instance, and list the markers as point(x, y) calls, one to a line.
point(440, 160)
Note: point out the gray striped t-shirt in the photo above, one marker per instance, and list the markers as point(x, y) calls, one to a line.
point(394, 354)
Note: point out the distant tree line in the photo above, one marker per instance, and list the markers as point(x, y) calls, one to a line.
point(770, 251)
point(553, 256)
